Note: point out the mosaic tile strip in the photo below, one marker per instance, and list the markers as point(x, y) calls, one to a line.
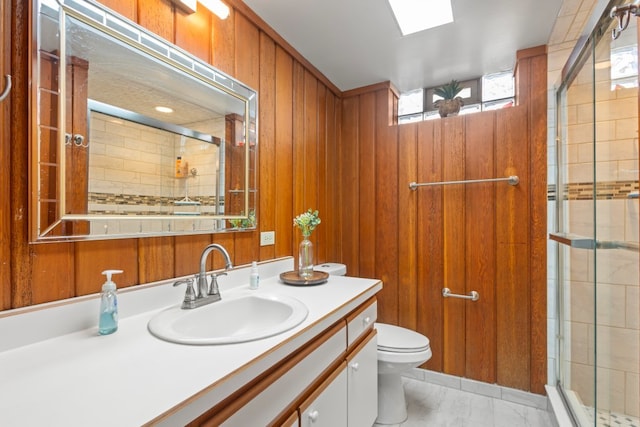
point(149, 205)
point(607, 190)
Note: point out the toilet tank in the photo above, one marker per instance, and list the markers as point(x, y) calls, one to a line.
point(333, 268)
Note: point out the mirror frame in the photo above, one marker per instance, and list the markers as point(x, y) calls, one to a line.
point(144, 42)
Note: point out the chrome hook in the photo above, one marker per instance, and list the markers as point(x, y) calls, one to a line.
point(7, 88)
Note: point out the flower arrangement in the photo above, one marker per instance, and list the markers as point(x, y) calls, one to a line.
point(307, 222)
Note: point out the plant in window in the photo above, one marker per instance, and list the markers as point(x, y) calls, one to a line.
point(450, 103)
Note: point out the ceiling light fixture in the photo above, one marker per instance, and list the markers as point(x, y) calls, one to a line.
point(215, 6)
point(162, 109)
point(418, 15)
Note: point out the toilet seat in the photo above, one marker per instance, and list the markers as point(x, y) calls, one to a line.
point(395, 339)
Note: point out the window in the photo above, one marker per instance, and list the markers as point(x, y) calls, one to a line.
point(489, 92)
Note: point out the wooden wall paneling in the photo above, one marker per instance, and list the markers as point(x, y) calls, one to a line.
point(91, 258)
point(21, 283)
point(349, 172)
point(430, 240)
point(228, 241)
point(266, 141)
point(223, 43)
point(193, 32)
point(331, 180)
point(321, 184)
point(538, 221)
point(407, 236)
point(367, 179)
point(5, 160)
point(480, 271)
point(52, 265)
point(298, 178)
point(156, 258)
point(187, 251)
point(157, 17)
point(283, 162)
point(126, 8)
point(454, 213)
point(387, 215)
point(332, 184)
point(512, 236)
point(310, 149)
point(77, 166)
point(247, 58)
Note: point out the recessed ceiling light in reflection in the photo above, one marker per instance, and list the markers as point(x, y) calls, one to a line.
point(165, 110)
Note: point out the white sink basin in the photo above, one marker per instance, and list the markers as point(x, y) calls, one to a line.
point(236, 318)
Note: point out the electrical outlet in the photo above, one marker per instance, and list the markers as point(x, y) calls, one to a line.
point(267, 238)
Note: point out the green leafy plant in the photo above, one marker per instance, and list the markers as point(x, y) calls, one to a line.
point(249, 221)
point(307, 222)
point(449, 90)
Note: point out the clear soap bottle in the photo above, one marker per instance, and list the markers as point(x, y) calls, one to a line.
point(108, 321)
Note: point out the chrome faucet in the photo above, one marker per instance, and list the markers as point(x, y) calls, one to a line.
point(204, 294)
point(203, 289)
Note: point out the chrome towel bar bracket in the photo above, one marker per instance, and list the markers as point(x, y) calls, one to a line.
point(473, 295)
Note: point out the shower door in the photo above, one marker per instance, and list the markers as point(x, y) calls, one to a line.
point(598, 361)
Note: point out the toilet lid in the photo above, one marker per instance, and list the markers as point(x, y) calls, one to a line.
point(400, 340)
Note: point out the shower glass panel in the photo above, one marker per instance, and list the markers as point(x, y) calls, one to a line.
point(597, 216)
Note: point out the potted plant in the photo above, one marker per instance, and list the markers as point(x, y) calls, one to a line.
point(450, 103)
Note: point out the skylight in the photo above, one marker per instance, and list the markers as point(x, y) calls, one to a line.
point(418, 15)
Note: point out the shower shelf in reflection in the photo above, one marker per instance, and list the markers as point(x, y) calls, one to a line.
point(582, 242)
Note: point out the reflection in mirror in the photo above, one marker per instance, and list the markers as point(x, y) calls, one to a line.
point(135, 136)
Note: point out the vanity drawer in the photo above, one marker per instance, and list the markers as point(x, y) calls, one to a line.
point(284, 386)
point(361, 320)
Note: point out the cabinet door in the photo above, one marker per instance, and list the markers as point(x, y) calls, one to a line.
point(327, 406)
point(362, 383)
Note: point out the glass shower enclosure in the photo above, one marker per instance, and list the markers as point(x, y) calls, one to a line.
point(598, 331)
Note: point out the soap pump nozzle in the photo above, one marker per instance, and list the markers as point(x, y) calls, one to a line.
point(109, 284)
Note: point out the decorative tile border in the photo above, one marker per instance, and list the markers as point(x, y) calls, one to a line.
point(606, 190)
point(149, 205)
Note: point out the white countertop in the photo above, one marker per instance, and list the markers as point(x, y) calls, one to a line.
point(53, 375)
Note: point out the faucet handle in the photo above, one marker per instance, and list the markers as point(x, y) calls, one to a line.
point(190, 294)
point(213, 287)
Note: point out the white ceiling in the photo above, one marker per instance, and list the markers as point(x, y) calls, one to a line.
point(355, 43)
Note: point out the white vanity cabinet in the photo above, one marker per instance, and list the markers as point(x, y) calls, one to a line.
point(332, 381)
point(362, 383)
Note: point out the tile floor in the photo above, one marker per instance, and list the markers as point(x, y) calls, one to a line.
point(612, 419)
point(431, 405)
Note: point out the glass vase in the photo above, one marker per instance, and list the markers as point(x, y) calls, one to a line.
point(305, 259)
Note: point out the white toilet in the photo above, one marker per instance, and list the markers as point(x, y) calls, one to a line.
point(399, 350)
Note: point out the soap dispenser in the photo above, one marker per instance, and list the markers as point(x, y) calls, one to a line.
point(254, 278)
point(108, 321)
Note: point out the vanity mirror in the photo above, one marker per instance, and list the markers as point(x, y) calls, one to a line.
point(133, 136)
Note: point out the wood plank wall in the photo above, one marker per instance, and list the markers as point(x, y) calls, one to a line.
point(488, 237)
point(344, 155)
point(298, 136)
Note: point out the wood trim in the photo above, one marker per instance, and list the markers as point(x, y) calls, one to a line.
point(361, 343)
point(226, 408)
point(5, 159)
point(530, 52)
point(371, 88)
point(323, 386)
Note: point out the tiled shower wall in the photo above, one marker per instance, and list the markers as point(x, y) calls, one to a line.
point(138, 161)
point(133, 171)
point(611, 340)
